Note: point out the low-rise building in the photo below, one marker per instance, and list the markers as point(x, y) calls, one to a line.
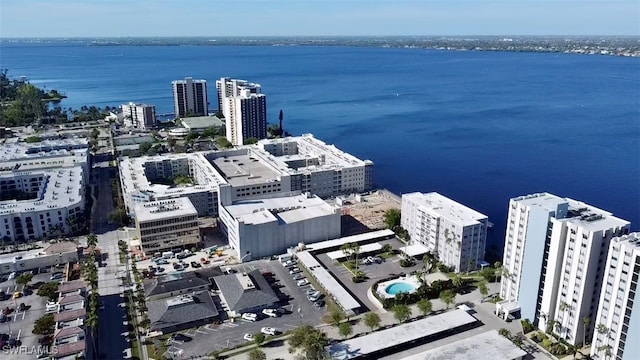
point(266, 227)
point(167, 224)
point(245, 292)
point(455, 233)
point(188, 282)
point(56, 254)
point(199, 124)
point(182, 312)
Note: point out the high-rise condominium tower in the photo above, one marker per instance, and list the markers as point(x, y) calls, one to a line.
point(244, 107)
point(617, 324)
point(553, 260)
point(190, 97)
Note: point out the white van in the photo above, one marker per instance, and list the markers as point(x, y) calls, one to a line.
point(167, 254)
point(12, 275)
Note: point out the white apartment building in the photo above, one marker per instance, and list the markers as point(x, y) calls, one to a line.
point(317, 167)
point(455, 233)
point(167, 224)
point(244, 107)
point(562, 244)
point(266, 227)
point(190, 97)
point(139, 116)
point(617, 324)
point(270, 168)
point(144, 179)
point(42, 187)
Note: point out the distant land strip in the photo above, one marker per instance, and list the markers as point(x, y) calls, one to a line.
point(592, 45)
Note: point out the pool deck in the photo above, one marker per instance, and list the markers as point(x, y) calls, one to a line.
point(411, 281)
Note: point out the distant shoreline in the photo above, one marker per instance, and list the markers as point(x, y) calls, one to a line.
point(628, 46)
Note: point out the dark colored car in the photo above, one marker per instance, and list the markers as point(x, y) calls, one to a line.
point(319, 303)
point(181, 337)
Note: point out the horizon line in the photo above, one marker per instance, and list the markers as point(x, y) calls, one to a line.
point(299, 36)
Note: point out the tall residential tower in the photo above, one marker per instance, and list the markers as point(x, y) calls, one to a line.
point(558, 244)
point(244, 107)
point(190, 97)
point(617, 325)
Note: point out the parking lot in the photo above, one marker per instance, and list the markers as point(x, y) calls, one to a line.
point(374, 272)
point(19, 324)
point(298, 310)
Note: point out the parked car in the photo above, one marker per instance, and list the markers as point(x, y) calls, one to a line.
point(204, 261)
point(302, 282)
point(319, 303)
point(250, 316)
point(181, 337)
point(162, 261)
point(267, 274)
point(22, 307)
point(295, 270)
point(248, 337)
point(268, 331)
point(160, 270)
point(195, 265)
point(270, 312)
point(289, 263)
point(17, 295)
point(297, 277)
point(314, 297)
point(310, 291)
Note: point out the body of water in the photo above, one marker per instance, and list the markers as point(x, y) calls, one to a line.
point(479, 127)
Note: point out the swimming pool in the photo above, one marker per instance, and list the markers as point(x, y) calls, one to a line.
point(399, 287)
point(391, 288)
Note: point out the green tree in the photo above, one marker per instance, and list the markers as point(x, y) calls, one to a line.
point(24, 279)
point(258, 338)
point(517, 341)
point(457, 281)
point(209, 132)
point(33, 139)
point(387, 248)
point(171, 142)
point(488, 274)
point(145, 147)
point(448, 297)
point(497, 270)
point(257, 354)
point(49, 290)
point(345, 329)
point(336, 315)
point(484, 291)
point(44, 325)
point(372, 320)
point(505, 332)
point(119, 216)
point(223, 143)
point(401, 312)
point(251, 140)
point(392, 219)
point(94, 134)
point(351, 251)
point(425, 306)
point(92, 241)
point(310, 341)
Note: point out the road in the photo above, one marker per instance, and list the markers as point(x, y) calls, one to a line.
point(111, 337)
point(102, 199)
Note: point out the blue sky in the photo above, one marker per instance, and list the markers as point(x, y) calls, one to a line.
point(88, 18)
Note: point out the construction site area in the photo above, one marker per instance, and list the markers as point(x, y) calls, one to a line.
point(364, 212)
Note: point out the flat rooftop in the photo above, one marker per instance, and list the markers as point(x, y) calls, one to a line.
point(162, 209)
point(488, 345)
point(244, 169)
point(544, 200)
point(59, 188)
point(369, 236)
point(134, 179)
point(446, 208)
point(201, 122)
point(11, 150)
point(307, 146)
point(286, 209)
point(337, 291)
point(370, 344)
point(591, 218)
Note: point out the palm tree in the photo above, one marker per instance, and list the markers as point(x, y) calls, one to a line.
point(457, 281)
point(92, 323)
point(92, 240)
point(498, 270)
